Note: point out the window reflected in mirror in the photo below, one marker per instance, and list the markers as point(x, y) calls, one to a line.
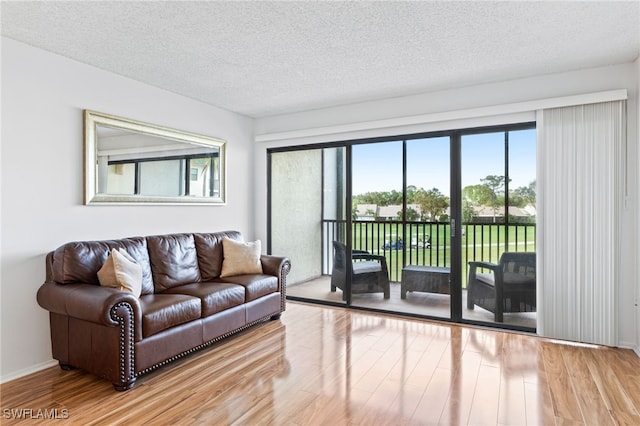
point(138, 162)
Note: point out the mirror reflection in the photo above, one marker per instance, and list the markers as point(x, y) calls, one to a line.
point(133, 162)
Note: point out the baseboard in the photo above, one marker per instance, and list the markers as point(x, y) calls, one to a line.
point(630, 345)
point(27, 371)
point(626, 345)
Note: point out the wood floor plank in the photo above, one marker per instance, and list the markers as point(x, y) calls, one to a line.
point(428, 363)
point(625, 365)
point(434, 399)
point(515, 361)
point(565, 404)
point(512, 403)
point(538, 406)
point(406, 402)
point(458, 406)
point(486, 398)
point(538, 401)
point(611, 389)
point(631, 385)
point(328, 366)
point(592, 405)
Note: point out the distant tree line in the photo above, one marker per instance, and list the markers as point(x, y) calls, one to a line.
point(433, 204)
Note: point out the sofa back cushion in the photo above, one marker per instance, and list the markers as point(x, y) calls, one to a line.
point(210, 254)
point(80, 261)
point(173, 260)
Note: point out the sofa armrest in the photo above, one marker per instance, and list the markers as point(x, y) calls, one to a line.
point(89, 302)
point(275, 265)
point(279, 267)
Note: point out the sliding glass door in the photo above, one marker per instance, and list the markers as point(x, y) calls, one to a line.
point(401, 211)
point(377, 227)
point(432, 225)
point(498, 175)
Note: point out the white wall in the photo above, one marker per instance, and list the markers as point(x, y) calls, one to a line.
point(621, 76)
point(43, 96)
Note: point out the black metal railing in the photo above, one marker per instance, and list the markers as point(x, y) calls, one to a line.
point(428, 243)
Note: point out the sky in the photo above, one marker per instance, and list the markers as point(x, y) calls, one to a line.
point(378, 167)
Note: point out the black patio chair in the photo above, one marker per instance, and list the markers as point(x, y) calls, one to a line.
point(368, 271)
point(509, 286)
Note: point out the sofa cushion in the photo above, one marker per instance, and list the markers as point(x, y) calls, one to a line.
point(79, 262)
point(209, 248)
point(255, 286)
point(214, 297)
point(173, 260)
point(122, 272)
point(240, 258)
point(162, 311)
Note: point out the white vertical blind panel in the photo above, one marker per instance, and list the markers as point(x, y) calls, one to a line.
point(581, 187)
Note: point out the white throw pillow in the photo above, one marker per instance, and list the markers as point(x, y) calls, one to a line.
point(121, 271)
point(240, 258)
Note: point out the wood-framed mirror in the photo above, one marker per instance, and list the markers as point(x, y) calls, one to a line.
point(131, 162)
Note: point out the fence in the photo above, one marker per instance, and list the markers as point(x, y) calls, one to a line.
point(428, 243)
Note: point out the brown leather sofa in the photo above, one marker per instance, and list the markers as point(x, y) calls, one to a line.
point(184, 304)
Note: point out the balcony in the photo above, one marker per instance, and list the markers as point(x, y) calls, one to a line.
point(421, 243)
point(429, 243)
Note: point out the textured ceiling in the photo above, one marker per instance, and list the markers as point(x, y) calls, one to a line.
point(265, 58)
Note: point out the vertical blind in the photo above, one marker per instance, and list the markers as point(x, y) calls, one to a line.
point(581, 185)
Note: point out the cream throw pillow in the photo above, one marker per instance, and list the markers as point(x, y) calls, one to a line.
point(121, 271)
point(240, 258)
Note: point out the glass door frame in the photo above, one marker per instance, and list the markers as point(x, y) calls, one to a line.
point(456, 279)
point(455, 205)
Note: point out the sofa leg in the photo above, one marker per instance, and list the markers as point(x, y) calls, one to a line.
point(124, 386)
point(275, 317)
point(65, 367)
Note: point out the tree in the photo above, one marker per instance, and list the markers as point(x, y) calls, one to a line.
point(432, 202)
point(411, 194)
point(467, 211)
point(516, 200)
point(496, 185)
point(379, 198)
point(478, 195)
point(527, 193)
point(412, 215)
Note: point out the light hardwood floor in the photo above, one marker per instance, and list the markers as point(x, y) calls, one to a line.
point(329, 366)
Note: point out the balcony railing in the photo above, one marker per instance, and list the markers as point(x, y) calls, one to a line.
point(428, 243)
